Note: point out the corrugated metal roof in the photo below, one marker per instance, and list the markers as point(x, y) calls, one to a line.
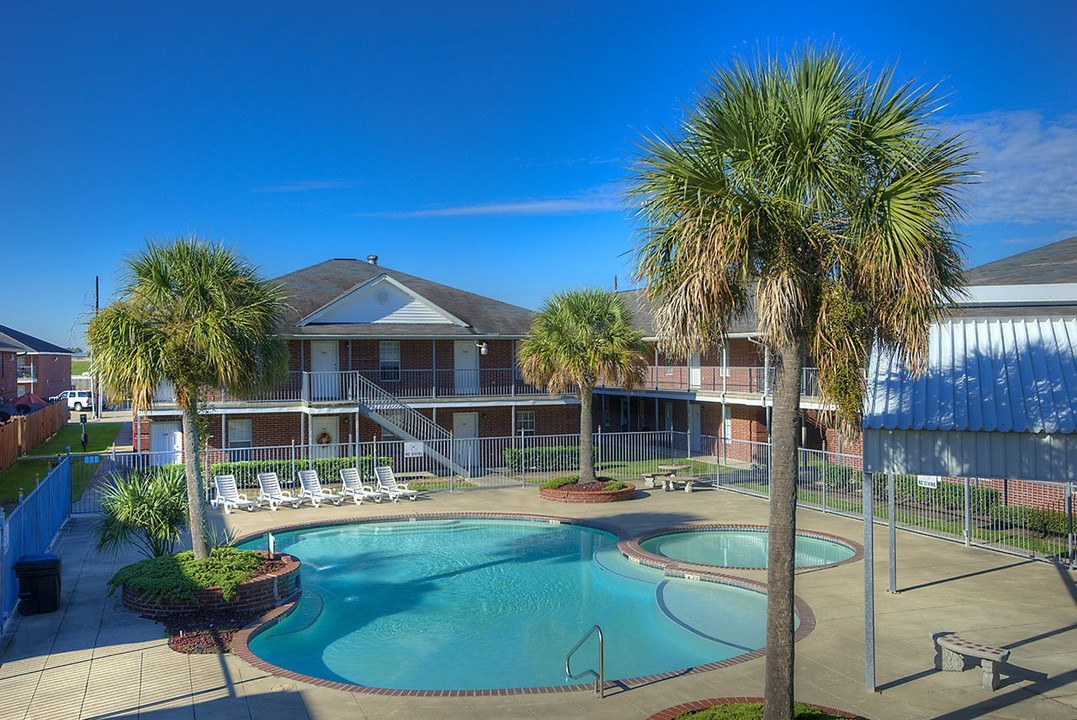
point(1000, 375)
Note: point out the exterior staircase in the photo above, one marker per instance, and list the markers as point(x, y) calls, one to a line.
point(403, 421)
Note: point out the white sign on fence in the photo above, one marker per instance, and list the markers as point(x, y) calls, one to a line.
point(928, 481)
point(413, 449)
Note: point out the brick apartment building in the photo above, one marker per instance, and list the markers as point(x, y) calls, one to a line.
point(377, 353)
point(41, 368)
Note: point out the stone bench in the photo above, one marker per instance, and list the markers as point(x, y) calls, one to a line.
point(952, 649)
point(667, 481)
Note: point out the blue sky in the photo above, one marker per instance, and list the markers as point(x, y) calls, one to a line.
point(479, 144)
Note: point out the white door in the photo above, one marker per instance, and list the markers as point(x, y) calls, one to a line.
point(694, 427)
point(465, 430)
point(325, 370)
point(466, 364)
point(695, 372)
point(166, 443)
point(325, 434)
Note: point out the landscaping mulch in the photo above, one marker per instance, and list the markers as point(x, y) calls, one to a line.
point(211, 633)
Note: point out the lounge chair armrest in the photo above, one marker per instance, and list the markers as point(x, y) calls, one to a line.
point(286, 493)
point(243, 497)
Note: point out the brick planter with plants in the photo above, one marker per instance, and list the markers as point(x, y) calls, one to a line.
point(568, 490)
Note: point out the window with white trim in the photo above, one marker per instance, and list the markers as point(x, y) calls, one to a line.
point(669, 365)
point(240, 439)
point(389, 352)
point(525, 422)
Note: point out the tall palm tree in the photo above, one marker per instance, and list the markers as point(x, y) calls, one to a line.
point(824, 199)
point(193, 313)
point(577, 338)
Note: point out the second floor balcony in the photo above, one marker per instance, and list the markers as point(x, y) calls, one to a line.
point(721, 380)
point(346, 386)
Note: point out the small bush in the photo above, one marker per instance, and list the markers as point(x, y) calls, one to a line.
point(1043, 522)
point(558, 482)
point(147, 510)
point(752, 711)
point(176, 577)
point(615, 485)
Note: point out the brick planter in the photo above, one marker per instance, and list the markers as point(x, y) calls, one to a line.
point(254, 596)
point(588, 496)
point(671, 712)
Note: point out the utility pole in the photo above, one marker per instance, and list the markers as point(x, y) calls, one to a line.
point(97, 400)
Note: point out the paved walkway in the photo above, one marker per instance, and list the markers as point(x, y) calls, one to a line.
point(93, 659)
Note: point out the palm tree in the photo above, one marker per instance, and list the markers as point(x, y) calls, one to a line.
point(577, 338)
point(822, 198)
point(193, 313)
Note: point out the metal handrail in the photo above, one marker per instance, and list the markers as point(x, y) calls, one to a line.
point(600, 676)
point(406, 417)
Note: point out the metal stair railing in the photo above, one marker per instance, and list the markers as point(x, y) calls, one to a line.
point(397, 412)
point(600, 676)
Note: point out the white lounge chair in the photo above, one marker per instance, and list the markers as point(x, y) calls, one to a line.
point(387, 484)
point(313, 491)
point(271, 492)
point(352, 485)
point(229, 496)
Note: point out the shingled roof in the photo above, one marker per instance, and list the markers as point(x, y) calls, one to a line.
point(1054, 263)
point(12, 339)
point(312, 288)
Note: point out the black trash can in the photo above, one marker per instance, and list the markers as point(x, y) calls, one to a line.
point(39, 583)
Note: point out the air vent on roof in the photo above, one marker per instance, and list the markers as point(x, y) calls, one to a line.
point(372, 259)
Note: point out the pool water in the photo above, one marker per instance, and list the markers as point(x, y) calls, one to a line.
point(468, 604)
point(742, 548)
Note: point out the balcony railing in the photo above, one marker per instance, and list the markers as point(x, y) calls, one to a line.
point(717, 379)
point(317, 387)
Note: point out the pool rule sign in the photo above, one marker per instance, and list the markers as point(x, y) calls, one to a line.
point(413, 449)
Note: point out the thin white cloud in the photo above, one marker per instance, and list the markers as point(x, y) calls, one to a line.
point(605, 198)
point(304, 186)
point(1028, 167)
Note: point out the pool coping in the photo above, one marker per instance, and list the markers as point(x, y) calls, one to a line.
point(241, 640)
point(632, 549)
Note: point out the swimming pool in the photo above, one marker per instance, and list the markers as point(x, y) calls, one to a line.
point(743, 547)
point(476, 604)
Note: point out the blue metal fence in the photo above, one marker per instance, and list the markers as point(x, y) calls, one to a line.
point(31, 527)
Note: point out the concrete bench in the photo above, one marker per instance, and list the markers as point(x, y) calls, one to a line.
point(952, 649)
point(667, 481)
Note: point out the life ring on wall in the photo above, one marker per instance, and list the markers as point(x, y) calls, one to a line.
point(324, 438)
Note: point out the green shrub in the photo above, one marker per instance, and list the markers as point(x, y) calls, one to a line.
point(146, 509)
point(542, 459)
point(176, 577)
point(752, 711)
point(558, 482)
point(246, 471)
point(1043, 522)
point(615, 485)
point(947, 496)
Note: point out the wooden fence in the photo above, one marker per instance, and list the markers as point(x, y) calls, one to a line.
point(23, 433)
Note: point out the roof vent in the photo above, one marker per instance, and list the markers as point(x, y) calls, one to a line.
point(372, 259)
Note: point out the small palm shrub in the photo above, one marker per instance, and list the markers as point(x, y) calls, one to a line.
point(146, 509)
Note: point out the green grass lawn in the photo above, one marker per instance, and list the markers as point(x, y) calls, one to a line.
point(637, 468)
point(80, 367)
point(22, 474)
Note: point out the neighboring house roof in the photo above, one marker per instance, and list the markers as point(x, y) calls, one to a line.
point(21, 342)
point(311, 290)
point(998, 399)
point(1054, 263)
point(642, 311)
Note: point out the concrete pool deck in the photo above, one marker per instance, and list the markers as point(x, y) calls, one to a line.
point(94, 659)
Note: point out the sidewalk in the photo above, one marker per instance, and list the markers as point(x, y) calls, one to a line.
point(94, 659)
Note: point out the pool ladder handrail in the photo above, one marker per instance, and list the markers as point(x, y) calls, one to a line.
point(600, 676)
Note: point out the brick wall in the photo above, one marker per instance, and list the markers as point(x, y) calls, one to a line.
point(8, 371)
point(53, 374)
point(365, 354)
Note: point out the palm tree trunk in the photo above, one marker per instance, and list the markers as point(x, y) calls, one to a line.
point(785, 437)
point(587, 453)
point(196, 503)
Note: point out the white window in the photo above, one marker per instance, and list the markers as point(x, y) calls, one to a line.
point(389, 351)
point(525, 422)
point(240, 439)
